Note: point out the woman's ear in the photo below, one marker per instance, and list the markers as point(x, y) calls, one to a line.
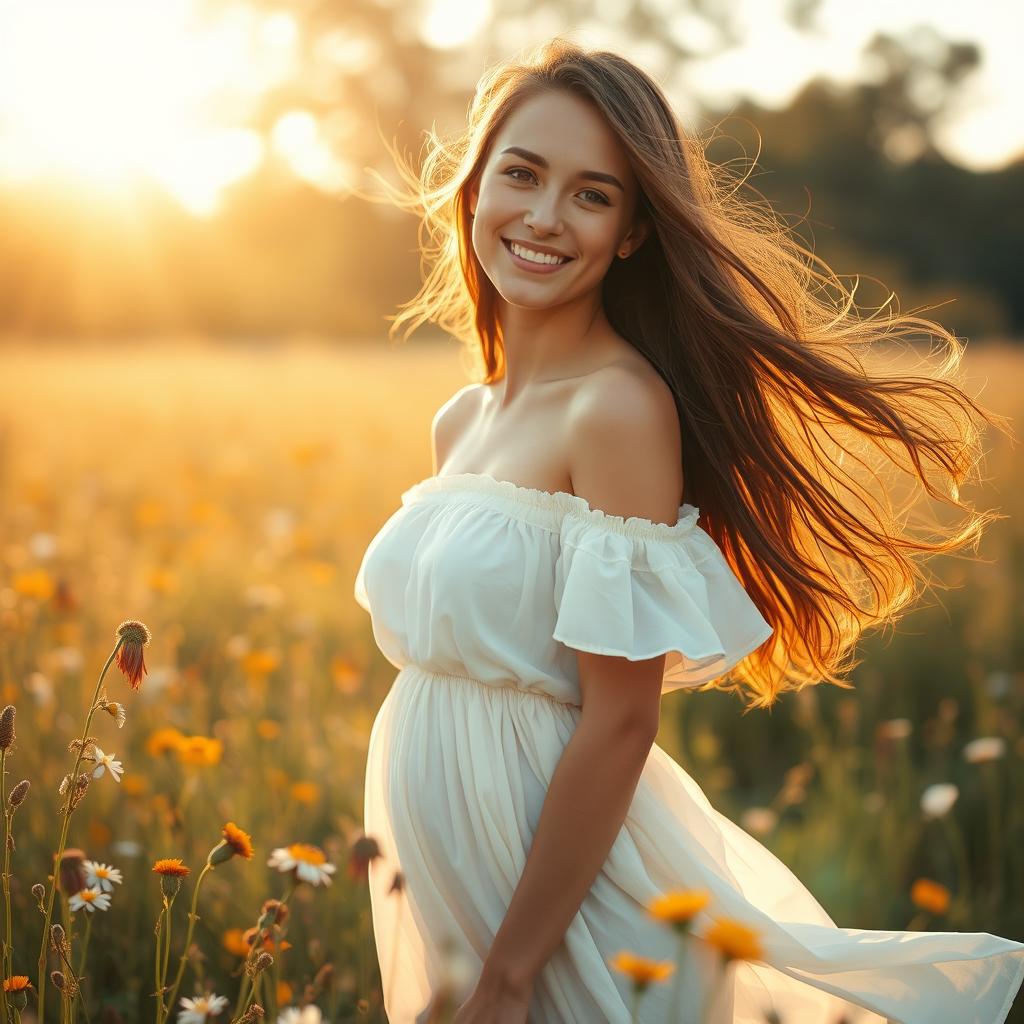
point(472, 195)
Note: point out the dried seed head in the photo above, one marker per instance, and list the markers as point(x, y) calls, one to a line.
point(57, 937)
point(57, 977)
point(87, 747)
point(7, 727)
point(39, 891)
point(273, 912)
point(80, 787)
point(18, 794)
point(254, 1013)
point(261, 963)
point(72, 874)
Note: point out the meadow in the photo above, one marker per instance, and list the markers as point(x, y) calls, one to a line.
point(223, 497)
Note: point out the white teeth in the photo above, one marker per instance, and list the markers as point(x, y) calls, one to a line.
point(536, 257)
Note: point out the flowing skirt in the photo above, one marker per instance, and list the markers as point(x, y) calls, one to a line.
point(457, 772)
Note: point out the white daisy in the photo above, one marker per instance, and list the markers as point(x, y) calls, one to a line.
point(308, 862)
point(89, 899)
point(101, 876)
point(198, 1010)
point(307, 1015)
point(938, 799)
point(104, 761)
point(985, 748)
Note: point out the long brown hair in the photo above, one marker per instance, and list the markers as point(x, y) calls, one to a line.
point(783, 425)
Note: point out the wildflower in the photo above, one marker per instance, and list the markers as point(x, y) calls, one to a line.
point(126, 848)
point(759, 821)
point(201, 750)
point(104, 761)
point(307, 1015)
point(164, 741)
point(303, 792)
point(198, 1010)
point(235, 843)
point(234, 943)
point(733, 940)
point(364, 850)
point(268, 729)
point(260, 662)
point(308, 862)
point(271, 938)
point(679, 908)
point(985, 748)
point(7, 727)
point(101, 875)
point(930, 896)
point(89, 899)
point(133, 637)
point(641, 970)
point(116, 711)
point(18, 985)
point(35, 583)
point(937, 799)
point(895, 729)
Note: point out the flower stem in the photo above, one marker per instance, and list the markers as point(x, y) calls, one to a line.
point(192, 918)
point(157, 977)
point(55, 877)
point(677, 981)
point(8, 958)
point(257, 943)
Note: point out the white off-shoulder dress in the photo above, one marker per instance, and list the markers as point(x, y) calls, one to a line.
point(480, 592)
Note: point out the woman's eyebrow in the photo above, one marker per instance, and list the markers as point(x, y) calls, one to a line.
point(534, 158)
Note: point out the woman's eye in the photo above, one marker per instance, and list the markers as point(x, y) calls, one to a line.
point(598, 197)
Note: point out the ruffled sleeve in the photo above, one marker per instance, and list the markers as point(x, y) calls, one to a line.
point(634, 588)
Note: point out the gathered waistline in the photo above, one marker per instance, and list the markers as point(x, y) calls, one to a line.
point(509, 686)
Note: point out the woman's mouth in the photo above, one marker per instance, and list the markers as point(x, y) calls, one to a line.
point(534, 262)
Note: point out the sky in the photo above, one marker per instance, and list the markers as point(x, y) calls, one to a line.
point(986, 128)
point(65, 107)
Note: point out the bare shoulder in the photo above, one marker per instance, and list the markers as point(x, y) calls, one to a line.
point(625, 445)
point(451, 419)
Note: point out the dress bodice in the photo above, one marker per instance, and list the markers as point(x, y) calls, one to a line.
point(481, 577)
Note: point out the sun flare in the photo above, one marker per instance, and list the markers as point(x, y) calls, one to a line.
point(104, 93)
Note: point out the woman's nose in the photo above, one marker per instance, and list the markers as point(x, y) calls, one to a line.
point(544, 218)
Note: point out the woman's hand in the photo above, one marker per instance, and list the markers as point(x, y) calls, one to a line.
point(493, 1003)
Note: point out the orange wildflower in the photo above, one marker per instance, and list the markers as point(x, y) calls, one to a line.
point(641, 970)
point(733, 940)
point(930, 896)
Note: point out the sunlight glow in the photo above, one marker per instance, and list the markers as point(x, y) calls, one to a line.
point(106, 93)
point(450, 23)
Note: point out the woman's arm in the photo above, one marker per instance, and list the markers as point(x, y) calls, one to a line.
point(625, 448)
point(586, 804)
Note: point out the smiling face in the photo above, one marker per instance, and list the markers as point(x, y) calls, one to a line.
point(556, 182)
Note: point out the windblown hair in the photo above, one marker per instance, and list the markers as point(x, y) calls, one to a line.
point(806, 464)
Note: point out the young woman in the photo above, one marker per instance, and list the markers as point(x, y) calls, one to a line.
point(659, 483)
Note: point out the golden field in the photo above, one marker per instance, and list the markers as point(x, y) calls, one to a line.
point(223, 497)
